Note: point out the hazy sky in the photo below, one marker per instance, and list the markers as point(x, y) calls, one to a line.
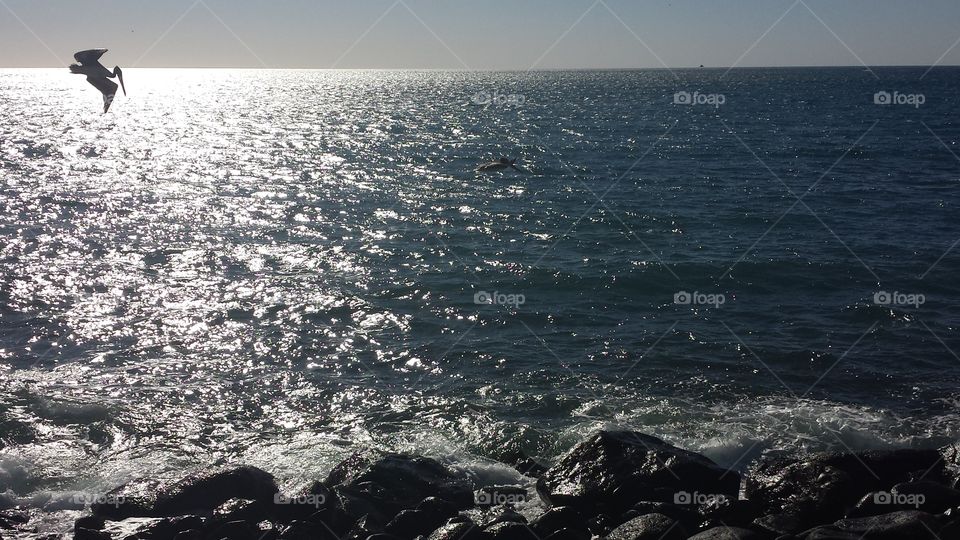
point(480, 34)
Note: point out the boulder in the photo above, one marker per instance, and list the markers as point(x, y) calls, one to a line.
point(620, 468)
point(796, 494)
point(570, 534)
point(911, 524)
point(458, 531)
point(508, 530)
point(383, 484)
point(557, 518)
point(205, 492)
point(305, 530)
point(80, 533)
point(649, 527)
point(413, 523)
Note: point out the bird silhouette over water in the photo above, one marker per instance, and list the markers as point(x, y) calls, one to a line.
point(97, 75)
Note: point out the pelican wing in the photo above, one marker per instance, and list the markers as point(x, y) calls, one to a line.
point(90, 56)
point(106, 87)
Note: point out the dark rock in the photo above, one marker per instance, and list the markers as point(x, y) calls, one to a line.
point(302, 506)
point(332, 518)
point(79, 533)
point(722, 511)
point(686, 515)
point(780, 524)
point(910, 524)
point(570, 534)
point(509, 530)
point(621, 468)
point(728, 533)
point(439, 507)
point(236, 530)
point(192, 534)
point(413, 523)
point(499, 514)
point(384, 536)
point(649, 527)
point(555, 519)
point(207, 491)
point(458, 531)
point(365, 526)
point(94, 523)
point(242, 509)
point(932, 497)
point(305, 530)
point(822, 488)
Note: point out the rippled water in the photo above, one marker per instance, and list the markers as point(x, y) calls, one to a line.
point(273, 266)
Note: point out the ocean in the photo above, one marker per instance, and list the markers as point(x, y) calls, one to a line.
point(278, 267)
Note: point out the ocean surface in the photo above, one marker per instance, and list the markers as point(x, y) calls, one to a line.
point(277, 267)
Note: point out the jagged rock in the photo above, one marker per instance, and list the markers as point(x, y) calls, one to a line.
point(620, 468)
point(236, 530)
point(649, 527)
point(89, 534)
point(305, 530)
point(570, 534)
point(438, 507)
point(94, 523)
point(801, 493)
point(242, 509)
point(192, 534)
point(912, 524)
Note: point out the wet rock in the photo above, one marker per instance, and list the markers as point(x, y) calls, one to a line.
point(94, 523)
point(332, 518)
point(384, 536)
point(242, 509)
point(570, 534)
point(438, 507)
point(911, 524)
point(207, 491)
point(413, 523)
point(499, 514)
point(722, 511)
point(620, 468)
point(305, 530)
point(932, 497)
point(458, 531)
point(236, 530)
point(728, 533)
point(782, 524)
point(134, 499)
point(649, 527)
point(90, 534)
point(822, 488)
point(192, 534)
point(508, 530)
point(366, 526)
point(557, 518)
point(384, 484)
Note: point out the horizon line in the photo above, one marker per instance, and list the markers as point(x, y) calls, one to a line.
point(521, 70)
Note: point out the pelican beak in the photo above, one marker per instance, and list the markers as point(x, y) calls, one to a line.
point(119, 73)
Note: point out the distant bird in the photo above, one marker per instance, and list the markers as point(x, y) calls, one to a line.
point(504, 163)
point(97, 75)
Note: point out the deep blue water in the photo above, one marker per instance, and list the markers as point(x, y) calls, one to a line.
point(273, 267)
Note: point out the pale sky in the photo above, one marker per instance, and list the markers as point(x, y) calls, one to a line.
point(482, 34)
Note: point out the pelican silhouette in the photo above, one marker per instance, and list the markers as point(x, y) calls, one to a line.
point(97, 75)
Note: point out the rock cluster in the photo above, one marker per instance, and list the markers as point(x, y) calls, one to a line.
point(618, 485)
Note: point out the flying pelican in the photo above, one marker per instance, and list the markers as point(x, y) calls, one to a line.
point(97, 75)
point(504, 163)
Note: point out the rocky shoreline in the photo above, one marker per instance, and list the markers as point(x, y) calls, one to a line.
point(618, 485)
